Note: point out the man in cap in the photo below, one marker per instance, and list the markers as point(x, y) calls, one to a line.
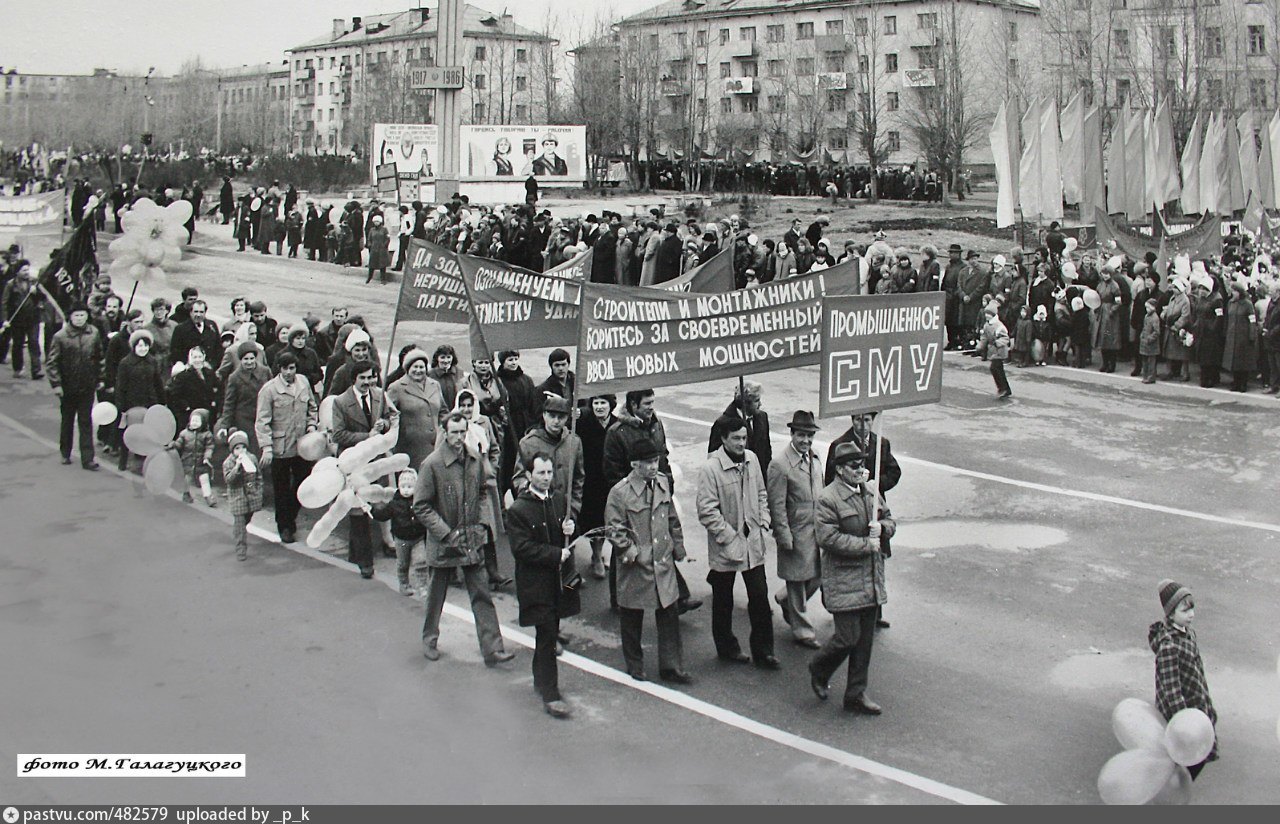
point(553, 438)
point(286, 411)
point(951, 285)
point(647, 542)
point(849, 535)
point(550, 163)
point(74, 360)
point(20, 311)
point(793, 486)
point(733, 506)
point(973, 285)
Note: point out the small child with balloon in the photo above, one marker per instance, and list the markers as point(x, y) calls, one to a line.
point(195, 446)
point(244, 489)
point(1180, 681)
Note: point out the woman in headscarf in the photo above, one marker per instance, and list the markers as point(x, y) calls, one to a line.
point(1176, 318)
point(1240, 352)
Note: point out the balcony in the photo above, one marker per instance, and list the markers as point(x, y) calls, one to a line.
point(673, 87)
point(920, 78)
point(741, 48)
point(739, 85)
point(824, 43)
point(307, 74)
point(833, 80)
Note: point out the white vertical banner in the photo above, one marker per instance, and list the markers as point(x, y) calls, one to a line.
point(1271, 166)
point(1116, 183)
point(1092, 189)
point(1229, 169)
point(1050, 167)
point(1136, 126)
point(1248, 157)
point(1167, 156)
point(1003, 153)
point(1072, 155)
point(1210, 151)
point(1190, 199)
point(1029, 164)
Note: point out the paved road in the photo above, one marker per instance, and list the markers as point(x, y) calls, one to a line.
point(1033, 534)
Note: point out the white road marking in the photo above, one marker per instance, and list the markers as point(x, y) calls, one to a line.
point(592, 667)
point(1053, 490)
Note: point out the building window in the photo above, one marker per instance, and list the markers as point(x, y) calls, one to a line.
point(837, 139)
point(835, 27)
point(1083, 48)
point(778, 102)
point(682, 40)
point(890, 24)
point(308, 64)
point(894, 140)
point(864, 64)
point(777, 68)
point(927, 21)
point(653, 42)
point(750, 103)
point(1258, 93)
point(700, 71)
point(1013, 67)
point(522, 112)
point(775, 34)
point(481, 53)
point(804, 31)
point(835, 100)
point(724, 36)
point(1213, 42)
point(726, 105)
point(860, 27)
point(726, 70)
point(1122, 90)
point(700, 37)
point(1213, 92)
point(522, 83)
point(395, 55)
point(750, 68)
point(1120, 40)
point(890, 63)
point(1166, 42)
point(479, 81)
point(333, 62)
point(926, 57)
point(891, 101)
point(747, 34)
point(478, 113)
point(333, 88)
point(522, 55)
point(804, 66)
point(1257, 40)
point(357, 60)
point(1013, 31)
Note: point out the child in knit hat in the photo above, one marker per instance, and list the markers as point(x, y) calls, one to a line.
point(195, 446)
point(244, 489)
point(1180, 681)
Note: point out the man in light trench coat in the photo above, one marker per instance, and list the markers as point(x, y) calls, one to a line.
point(794, 483)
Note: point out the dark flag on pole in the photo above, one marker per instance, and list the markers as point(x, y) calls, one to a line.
point(71, 270)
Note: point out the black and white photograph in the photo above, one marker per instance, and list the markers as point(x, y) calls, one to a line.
point(423, 403)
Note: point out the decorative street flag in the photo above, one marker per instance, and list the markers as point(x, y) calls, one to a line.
point(432, 288)
point(1190, 200)
point(1029, 180)
point(1004, 149)
point(1050, 168)
point(1116, 168)
point(1092, 190)
point(1072, 154)
point(1210, 155)
point(881, 352)
point(634, 337)
point(716, 275)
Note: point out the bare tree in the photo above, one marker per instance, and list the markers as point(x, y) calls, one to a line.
point(871, 101)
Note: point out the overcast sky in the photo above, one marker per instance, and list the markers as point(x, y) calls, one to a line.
point(77, 36)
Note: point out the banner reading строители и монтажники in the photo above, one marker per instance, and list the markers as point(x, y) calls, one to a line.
point(634, 338)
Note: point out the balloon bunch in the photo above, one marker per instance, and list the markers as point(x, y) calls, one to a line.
point(152, 239)
point(147, 432)
point(347, 482)
point(1153, 767)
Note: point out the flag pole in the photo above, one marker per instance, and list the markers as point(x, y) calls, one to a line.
point(879, 432)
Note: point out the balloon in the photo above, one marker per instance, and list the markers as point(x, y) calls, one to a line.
point(172, 256)
point(1134, 777)
point(1072, 244)
point(367, 450)
point(178, 211)
point(156, 274)
point(319, 488)
point(103, 413)
point(375, 494)
point(154, 252)
point(135, 414)
point(1189, 737)
point(379, 468)
point(120, 267)
point(161, 423)
point(326, 464)
point(1037, 350)
point(1177, 790)
point(140, 440)
point(1182, 265)
point(326, 412)
point(313, 446)
point(1092, 299)
point(1138, 725)
point(123, 245)
point(345, 502)
point(1115, 262)
point(138, 271)
point(158, 471)
point(1068, 270)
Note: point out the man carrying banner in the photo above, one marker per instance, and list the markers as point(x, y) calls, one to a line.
point(746, 406)
point(733, 505)
point(20, 305)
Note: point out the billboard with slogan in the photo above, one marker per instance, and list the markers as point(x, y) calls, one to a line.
point(413, 148)
point(634, 337)
point(512, 153)
point(432, 288)
point(881, 352)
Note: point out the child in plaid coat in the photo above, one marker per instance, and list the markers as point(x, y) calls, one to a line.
point(1180, 681)
point(195, 446)
point(244, 489)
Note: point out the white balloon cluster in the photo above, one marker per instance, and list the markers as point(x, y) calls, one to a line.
point(1153, 767)
point(152, 239)
point(348, 482)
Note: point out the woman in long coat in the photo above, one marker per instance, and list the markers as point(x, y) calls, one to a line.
point(1240, 352)
point(1176, 319)
point(138, 381)
point(240, 402)
point(379, 249)
point(195, 387)
point(592, 429)
point(313, 233)
point(418, 398)
point(1111, 318)
point(626, 254)
point(1207, 310)
point(267, 226)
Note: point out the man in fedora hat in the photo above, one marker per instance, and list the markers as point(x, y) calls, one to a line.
point(793, 485)
point(849, 537)
point(951, 285)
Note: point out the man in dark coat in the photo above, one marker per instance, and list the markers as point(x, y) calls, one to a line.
point(265, 325)
point(226, 200)
point(327, 337)
point(538, 528)
point(559, 382)
point(524, 404)
point(951, 285)
point(757, 423)
point(74, 361)
point(670, 252)
point(195, 331)
point(604, 264)
point(360, 412)
point(313, 231)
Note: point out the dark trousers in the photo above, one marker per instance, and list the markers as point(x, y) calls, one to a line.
point(954, 336)
point(758, 611)
point(1149, 366)
point(28, 336)
point(75, 415)
point(670, 648)
point(287, 474)
point(852, 637)
point(546, 677)
point(1240, 380)
point(359, 544)
point(1273, 364)
point(488, 631)
point(1209, 375)
point(404, 250)
point(1109, 360)
point(997, 373)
